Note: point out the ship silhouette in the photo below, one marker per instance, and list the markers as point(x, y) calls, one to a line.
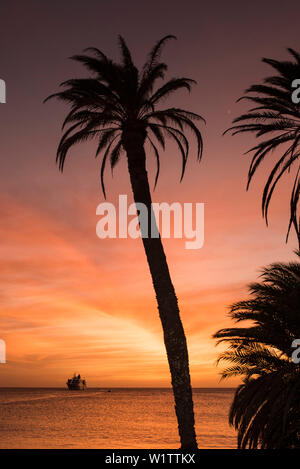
point(76, 383)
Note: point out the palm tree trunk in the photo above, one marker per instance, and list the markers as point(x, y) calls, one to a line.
point(174, 337)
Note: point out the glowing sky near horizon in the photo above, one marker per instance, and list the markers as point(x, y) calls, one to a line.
point(72, 302)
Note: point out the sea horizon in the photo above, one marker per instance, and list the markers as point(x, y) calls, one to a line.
point(135, 418)
point(117, 387)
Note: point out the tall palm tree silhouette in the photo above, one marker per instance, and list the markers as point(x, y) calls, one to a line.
point(119, 107)
point(265, 409)
point(275, 113)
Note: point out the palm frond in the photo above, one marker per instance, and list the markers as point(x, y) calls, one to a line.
point(265, 410)
point(117, 102)
point(277, 117)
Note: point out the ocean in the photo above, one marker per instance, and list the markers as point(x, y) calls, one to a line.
point(122, 418)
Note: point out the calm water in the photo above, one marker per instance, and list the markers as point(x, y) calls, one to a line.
point(122, 418)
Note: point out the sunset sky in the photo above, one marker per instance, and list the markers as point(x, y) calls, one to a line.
point(72, 302)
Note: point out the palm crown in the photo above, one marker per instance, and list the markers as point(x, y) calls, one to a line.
point(265, 410)
point(275, 112)
point(119, 98)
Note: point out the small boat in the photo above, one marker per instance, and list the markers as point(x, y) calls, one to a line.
point(76, 383)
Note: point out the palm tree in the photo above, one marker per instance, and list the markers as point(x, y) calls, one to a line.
point(276, 116)
point(266, 409)
point(119, 107)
